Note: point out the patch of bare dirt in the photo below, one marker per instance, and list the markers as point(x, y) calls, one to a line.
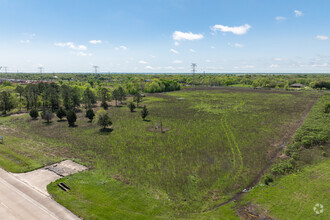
point(252, 212)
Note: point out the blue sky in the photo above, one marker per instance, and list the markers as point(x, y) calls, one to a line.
point(262, 36)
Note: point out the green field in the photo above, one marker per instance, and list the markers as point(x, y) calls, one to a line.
point(215, 142)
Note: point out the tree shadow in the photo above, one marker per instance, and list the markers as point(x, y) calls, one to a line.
point(147, 120)
point(73, 126)
point(61, 120)
point(47, 123)
point(105, 131)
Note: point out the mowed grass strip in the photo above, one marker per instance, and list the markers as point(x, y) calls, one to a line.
point(294, 196)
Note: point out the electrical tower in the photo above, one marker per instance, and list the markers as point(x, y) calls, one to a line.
point(40, 69)
point(95, 67)
point(193, 68)
point(5, 69)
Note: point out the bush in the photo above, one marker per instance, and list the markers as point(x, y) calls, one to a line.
point(60, 113)
point(90, 114)
point(287, 152)
point(324, 154)
point(103, 119)
point(283, 167)
point(34, 114)
point(295, 156)
point(327, 108)
point(104, 105)
point(144, 112)
point(47, 115)
point(268, 179)
point(131, 106)
point(71, 117)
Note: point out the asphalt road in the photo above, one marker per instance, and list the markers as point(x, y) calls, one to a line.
point(19, 201)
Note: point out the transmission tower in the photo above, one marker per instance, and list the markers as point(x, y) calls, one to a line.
point(95, 67)
point(5, 69)
point(40, 69)
point(193, 68)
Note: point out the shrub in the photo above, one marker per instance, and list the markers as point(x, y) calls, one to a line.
point(34, 114)
point(324, 154)
point(295, 156)
point(144, 112)
point(327, 108)
point(71, 117)
point(60, 113)
point(283, 167)
point(47, 115)
point(268, 179)
point(103, 119)
point(131, 106)
point(90, 114)
point(104, 105)
point(287, 152)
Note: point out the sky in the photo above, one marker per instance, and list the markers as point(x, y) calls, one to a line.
point(165, 36)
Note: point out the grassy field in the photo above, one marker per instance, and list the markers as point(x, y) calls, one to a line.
point(294, 196)
point(215, 143)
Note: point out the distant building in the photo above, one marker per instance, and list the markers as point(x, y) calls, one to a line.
point(296, 85)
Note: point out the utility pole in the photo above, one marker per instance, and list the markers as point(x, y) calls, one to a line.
point(193, 68)
point(5, 68)
point(95, 67)
point(40, 69)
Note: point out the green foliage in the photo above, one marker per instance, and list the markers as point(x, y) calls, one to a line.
point(90, 114)
point(131, 106)
point(6, 102)
point(34, 114)
point(71, 117)
point(137, 98)
point(119, 94)
point(327, 108)
point(104, 96)
point(60, 113)
point(89, 98)
point(103, 119)
point(144, 112)
point(47, 115)
point(283, 167)
point(268, 179)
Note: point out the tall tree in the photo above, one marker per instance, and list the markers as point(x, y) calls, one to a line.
point(20, 90)
point(144, 113)
point(6, 102)
point(89, 98)
point(104, 96)
point(137, 98)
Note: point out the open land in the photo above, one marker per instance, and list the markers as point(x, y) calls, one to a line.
point(215, 142)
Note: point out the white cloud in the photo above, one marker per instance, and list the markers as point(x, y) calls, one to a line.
point(121, 47)
point(273, 66)
point(149, 67)
point(95, 41)
point(278, 59)
point(192, 50)
point(208, 61)
point(236, 45)
point(212, 47)
point(143, 62)
point(178, 35)
point(24, 41)
point(82, 54)
point(71, 45)
point(321, 37)
point(176, 43)
point(174, 51)
point(298, 13)
point(239, 30)
point(280, 18)
point(177, 61)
